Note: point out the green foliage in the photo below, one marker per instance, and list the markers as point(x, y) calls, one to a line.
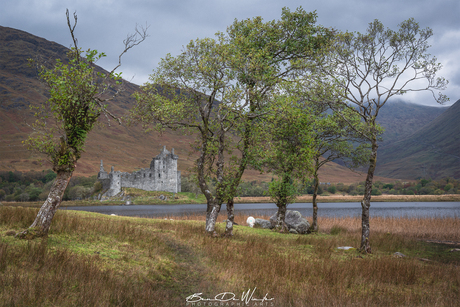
point(74, 107)
point(221, 89)
point(49, 177)
point(447, 187)
point(332, 189)
point(282, 191)
point(77, 97)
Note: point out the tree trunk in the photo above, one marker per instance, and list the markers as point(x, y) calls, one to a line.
point(211, 217)
point(314, 223)
point(280, 217)
point(42, 222)
point(230, 218)
point(366, 202)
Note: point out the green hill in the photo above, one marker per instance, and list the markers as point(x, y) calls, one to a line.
point(431, 152)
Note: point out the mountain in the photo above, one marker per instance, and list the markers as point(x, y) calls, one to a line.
point(126, 147)
point(432, 152)
point(401, 119)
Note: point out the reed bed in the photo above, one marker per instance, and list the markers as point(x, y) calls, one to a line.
point(434, 228)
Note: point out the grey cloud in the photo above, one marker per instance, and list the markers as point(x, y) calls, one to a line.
point(103, 24)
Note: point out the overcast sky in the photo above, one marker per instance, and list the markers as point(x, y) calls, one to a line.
point(103, 24)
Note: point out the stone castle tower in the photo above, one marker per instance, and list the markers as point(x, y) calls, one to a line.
point(161, 176)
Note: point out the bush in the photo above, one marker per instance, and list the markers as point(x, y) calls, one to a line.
point(97, 187)
point(78, 192)
point(34, 193)
point(332, 189)
point(23, 197)
point(49, 177)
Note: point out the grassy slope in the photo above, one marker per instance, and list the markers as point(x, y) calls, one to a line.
point(402, 119)
point(431, 152)
point(95, 260)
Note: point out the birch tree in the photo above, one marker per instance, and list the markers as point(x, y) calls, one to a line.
point(368, 69)
point(78, 97)
point(218, 88)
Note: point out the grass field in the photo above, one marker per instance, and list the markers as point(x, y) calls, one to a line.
point(90, 259)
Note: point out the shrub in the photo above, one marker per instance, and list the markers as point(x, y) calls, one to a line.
point(332, 189)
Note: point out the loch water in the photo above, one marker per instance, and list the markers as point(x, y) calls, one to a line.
point(381, 209)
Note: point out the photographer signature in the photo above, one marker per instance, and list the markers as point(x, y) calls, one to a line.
point(246, 297)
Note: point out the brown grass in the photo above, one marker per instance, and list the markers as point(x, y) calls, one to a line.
point(95, 260)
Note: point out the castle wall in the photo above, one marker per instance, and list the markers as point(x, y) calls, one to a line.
point(161, 176)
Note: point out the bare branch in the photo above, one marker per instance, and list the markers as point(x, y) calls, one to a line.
point(72, 30)
point(132, 40)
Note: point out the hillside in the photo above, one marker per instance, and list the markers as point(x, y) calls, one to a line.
point(126, 148)
point(431, 152)
point(401, 119)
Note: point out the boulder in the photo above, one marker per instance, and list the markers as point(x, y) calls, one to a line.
point(260, 223)
point(293, 220)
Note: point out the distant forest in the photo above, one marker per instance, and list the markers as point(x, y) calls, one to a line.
point(34, 186)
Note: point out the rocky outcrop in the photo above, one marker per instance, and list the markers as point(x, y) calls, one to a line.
point(294, 221)
point(261, 223)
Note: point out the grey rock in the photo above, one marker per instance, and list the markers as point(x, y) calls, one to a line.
point(399, 255)
point(293, 220)
point(128, 203)
point(261, 223)
point(292, 230)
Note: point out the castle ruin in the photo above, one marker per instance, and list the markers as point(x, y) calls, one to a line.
point(161, 176)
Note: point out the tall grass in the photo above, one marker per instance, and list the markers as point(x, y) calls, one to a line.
point(95, 260)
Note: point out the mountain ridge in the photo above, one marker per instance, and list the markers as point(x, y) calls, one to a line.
point(431, 152)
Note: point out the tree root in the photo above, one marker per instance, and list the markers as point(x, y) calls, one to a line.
point(30, 234)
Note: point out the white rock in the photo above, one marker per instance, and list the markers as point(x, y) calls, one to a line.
point(345, 247)
point(113, 214)
point(250, 221)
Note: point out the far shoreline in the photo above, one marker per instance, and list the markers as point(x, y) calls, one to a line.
point(259, 199)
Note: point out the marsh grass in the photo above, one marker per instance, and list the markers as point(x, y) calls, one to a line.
point(90, 259)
